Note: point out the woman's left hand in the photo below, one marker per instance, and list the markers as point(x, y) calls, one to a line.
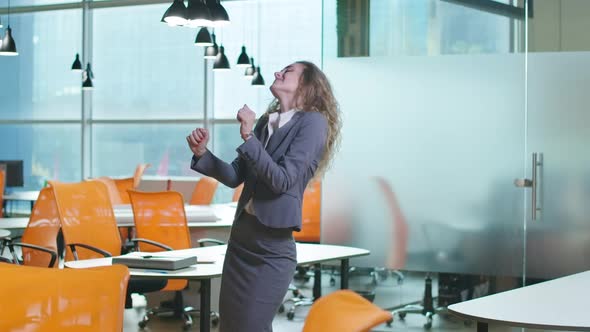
point(246, 117)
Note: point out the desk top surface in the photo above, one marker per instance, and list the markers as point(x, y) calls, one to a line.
point(4, 233)
point(215, 215)
point(22, 196)
point(558, 304)
point(306, 254)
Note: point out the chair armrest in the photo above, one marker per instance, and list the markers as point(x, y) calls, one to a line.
point(32, 246)
point(202, 242)
point(89, 247)
point(154, 243)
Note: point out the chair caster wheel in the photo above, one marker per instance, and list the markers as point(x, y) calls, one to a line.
point(142, 324)
point(428, 324)
point(332, 282)
point(290, 315)
point(402, 315)
point(186, 327)
point(389, 322)
point(281, 309)
point(215, 321)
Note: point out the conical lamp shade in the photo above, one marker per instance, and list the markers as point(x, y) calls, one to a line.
point(243, 60)
point(198, 14)
point(176, 15)
point(87, 85)
point(257, 79)
point(250, 70)
point(211, 51)
point(8, 46)
point(203, 38)
point(219, 15)
point(221, 62)
point(77, 65)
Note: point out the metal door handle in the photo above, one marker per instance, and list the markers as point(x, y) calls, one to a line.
point(532, 183)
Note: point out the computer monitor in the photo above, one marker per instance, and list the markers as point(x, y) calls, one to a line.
point(14, 172)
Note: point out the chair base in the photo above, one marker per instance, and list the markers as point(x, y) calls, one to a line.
point(426, 309)
point(298, 300)
point(186, 315)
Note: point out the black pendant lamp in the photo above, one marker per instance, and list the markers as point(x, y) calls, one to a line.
point(8, 46)
point(219, 15)
point(198, 14)
point(176, 14)
point(203, 38)
point(249, 73)
point(211, 51)
point(77, 65)
point(257, 79)
point(221, 62)
point(243, 60)
point(88, 76)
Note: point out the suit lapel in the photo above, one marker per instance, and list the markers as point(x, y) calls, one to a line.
point(281, 133)
point(263, 130)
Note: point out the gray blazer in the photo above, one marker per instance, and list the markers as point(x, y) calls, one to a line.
point(274, 177)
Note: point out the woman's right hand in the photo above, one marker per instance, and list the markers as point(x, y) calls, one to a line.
point(197, 141)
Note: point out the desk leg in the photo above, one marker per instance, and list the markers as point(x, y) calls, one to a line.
point(482, 327)
point(317, 281)
point(205, 317)
point(344, 266)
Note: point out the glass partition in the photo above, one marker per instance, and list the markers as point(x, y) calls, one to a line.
point(558, 78)
point(433, 136)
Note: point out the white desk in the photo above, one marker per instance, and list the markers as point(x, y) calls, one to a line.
point(4, 233)
point(217, 216)
point(559, 304)
point(27, 196)
point(306, 254)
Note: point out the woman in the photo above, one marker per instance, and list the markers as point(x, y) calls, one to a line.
point(291, 143)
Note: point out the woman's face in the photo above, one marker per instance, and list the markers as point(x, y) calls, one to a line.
point(287, 80)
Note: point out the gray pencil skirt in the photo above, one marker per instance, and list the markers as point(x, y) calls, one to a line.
point(259, 265)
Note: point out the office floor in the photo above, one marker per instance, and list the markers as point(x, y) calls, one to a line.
point(388, 294)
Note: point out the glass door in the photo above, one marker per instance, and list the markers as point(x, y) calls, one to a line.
point(558, 121)
point(433, 100)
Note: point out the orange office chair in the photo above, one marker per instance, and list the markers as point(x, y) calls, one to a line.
point(130, 183)
point(39, 240)
point(90, 229)
point(114, 187)
point(237, 193)
point(310, 233)
point(160, 216)
point(344, 311)
point(42, 299)
point(204, 191)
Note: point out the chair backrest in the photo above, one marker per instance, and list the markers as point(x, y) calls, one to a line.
point(122, 186)
point(112, 188)
point(42, 299)
point(139, 170)
point(2, 183)
point(159, 216)
point(204, 191)
point(86, 217)
point(237, 193)
point(396, 258)
point(310, 214)
point(344, 310)
point(42, 230)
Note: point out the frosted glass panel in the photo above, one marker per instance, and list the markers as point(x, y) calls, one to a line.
point(432, 144)
point(558, 242)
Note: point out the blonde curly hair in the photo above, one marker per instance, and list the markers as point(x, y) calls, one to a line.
point(314, 94)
